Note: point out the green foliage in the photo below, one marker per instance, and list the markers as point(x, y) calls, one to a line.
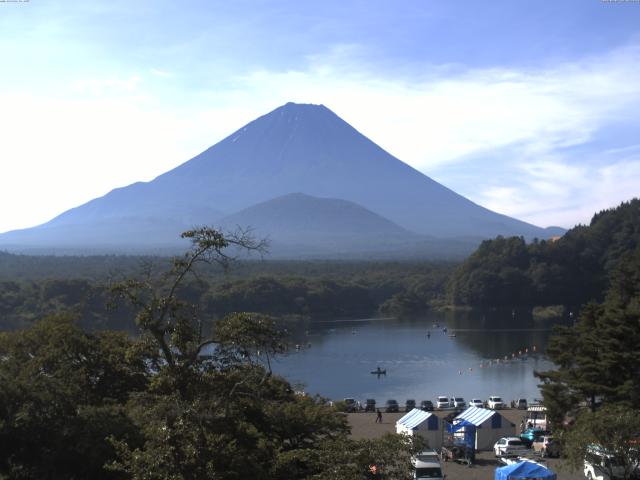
point(548, 313)
point(598, 360)
point(179, 402)
point(612, 431)
point(309, 289)
point(351, 459)
point(62, 394)
point(421, 294)
point(599, 356)
point(569, 271)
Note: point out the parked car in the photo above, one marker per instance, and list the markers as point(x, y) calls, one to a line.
point(546, 446)
point(476, 402)
point(370, 405)
point(495, 402)
point(392, 406)
point(531, 434)
point(509, 447)
point(351, 405)
point(457, 403)
point(427, 466)
point(520, 403)
point(442, 402)
point(426, 405)
point(598, 464)
point(428, 455)
point(409, 405)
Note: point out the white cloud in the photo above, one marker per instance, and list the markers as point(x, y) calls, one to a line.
point(107, 86)
point(104, 133)
point(57, 154)
point(161, 73)
point(554, 191)
point(445, 118)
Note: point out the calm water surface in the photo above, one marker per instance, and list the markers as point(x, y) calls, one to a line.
point(336, 357)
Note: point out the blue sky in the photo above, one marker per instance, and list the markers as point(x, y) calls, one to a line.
point(529, 108)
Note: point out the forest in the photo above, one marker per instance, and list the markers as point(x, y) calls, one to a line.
point(107, 405)
point(153, 405)
point(567, 271)
point(32, 287)
point(504, 272)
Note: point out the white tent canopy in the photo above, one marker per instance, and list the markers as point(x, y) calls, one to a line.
point(425, 424)
point(489, 426)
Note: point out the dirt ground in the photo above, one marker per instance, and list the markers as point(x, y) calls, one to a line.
point(363, 426)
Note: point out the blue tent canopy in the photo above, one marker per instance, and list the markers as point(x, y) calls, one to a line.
point(469, 438)
point(454, 428)
point(525, 471)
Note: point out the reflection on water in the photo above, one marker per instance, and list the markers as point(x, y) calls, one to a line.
point(422, 360)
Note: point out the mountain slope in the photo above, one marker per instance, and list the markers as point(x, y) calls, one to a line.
point(298, 222)
point(301, 215)
point(295, 148)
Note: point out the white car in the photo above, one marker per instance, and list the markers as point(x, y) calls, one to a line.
point(476, 402)
point(457, 402)
point(509, 447)
point(442, 402)
point(427, 466)
point(598, 465)
point(351, 405)
point(495, 402)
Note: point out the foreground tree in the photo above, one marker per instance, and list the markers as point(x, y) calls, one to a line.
point(62, 393)
point(389, 457)
point(598, 358)
point(599, 362)
point(214, 408)
point(182, 401)
point(613, 432)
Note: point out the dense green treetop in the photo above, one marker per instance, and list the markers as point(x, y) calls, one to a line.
point(568, 271)
point(311, 289)
point(598, 364)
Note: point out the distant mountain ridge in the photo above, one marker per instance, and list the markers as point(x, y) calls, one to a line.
point(295, 148)
point(289, 215)
point(319, 226)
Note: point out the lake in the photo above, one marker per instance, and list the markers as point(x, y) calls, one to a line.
point(336, 356)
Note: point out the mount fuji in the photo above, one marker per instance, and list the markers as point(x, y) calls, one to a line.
point(300, 175)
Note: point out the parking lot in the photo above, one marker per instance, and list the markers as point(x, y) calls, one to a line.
point(363, 426)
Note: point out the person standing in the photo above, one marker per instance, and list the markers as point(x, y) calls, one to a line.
point(378, 416)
